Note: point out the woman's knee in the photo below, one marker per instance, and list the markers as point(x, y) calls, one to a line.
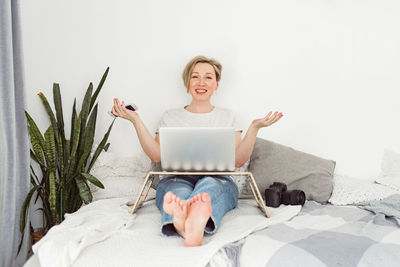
point(218, 186)
point(180, 187)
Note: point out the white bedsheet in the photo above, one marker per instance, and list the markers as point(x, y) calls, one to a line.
point(104, 233)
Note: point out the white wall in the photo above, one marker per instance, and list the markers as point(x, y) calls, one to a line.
point(332, 67)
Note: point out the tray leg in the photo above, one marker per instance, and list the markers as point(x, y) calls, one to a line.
point(257, 194)
point(147, 191)
point(138, 201)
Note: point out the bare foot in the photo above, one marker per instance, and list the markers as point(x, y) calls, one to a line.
point(199, 211)
point(177, 207)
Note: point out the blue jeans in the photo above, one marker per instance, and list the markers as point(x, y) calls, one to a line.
point(221, 189)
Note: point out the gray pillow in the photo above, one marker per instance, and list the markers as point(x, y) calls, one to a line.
point(271, 162)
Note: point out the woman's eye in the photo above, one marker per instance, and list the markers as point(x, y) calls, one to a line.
point(209, 78)
point(194, 77)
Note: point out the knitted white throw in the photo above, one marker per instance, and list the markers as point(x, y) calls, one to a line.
point(104, 233)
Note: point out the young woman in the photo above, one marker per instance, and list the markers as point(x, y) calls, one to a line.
point(192, 205)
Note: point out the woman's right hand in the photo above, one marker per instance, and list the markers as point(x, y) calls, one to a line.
point(121, 111)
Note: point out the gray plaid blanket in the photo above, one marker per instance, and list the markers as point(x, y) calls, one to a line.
point(321, 235)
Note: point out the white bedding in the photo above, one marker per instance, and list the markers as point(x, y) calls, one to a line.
point(103, 233)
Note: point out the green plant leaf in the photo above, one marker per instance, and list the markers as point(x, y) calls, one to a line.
point(37, 140)
point(68, 147)
point(61, 161)
point(72, 171)
point(34, 174)
point(90, 130)
point(35, 159)
point(84, 114)
point(52, 196)
point(33, 182)
point(25, 207)
point(51, 115)
point(38, 194)
point(22, 216)
point(36, 153)
point(82, 161)
point(73, 122)
point(96, 93)
point(45, 182)
point(93, 180)
point(58, 107)
point(87, 140)
point(84, 190)
point(74, 143)
point(60, 124)
point(50, 148)
point(100, 147)
point(75, 133)
point(106, 147)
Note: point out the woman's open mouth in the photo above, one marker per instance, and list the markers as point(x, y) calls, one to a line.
point(201, 91)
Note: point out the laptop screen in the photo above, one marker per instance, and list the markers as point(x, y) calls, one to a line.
point(197, 148)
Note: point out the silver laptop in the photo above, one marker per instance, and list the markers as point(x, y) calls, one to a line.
point(197, 148)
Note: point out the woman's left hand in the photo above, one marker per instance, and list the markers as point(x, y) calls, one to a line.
point(267, 120)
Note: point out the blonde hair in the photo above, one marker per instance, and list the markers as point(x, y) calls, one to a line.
point(187, 72)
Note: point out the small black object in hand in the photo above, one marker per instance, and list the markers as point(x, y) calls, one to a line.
point(130, 107)
point(278, 194)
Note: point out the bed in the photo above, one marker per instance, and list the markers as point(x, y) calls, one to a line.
point(320, 235)
point(359, 226)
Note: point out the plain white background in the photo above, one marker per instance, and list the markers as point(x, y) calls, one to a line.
point(332, 67)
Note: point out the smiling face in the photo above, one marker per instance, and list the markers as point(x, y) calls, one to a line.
point(202, 82)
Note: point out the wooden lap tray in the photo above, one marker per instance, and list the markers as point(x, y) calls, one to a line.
point(150, 176)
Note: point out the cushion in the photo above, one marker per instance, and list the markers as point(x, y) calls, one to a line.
point(390, 170)
point(271, 162)
point(122, 176)
point(350, 190)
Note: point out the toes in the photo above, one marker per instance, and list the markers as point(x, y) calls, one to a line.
point(205, 197)
point(168, 197)
point(195, 198)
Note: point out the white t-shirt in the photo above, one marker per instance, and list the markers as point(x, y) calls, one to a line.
point(218, 117)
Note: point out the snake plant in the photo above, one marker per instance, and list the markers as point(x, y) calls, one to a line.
point(64, 162)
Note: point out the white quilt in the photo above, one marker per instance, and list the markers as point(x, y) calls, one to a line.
point(104, 233)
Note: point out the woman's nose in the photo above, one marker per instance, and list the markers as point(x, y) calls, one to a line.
point(202, 80)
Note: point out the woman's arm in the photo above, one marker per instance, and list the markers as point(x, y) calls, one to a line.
point(245, 147)
point(150, 145)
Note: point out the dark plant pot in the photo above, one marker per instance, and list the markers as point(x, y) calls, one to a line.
point(37, 234)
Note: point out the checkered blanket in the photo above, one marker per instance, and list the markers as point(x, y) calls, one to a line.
point(321, 235)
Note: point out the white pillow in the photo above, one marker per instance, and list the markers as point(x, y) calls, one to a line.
point(390, 170)
point(349, 191)
point(121, 176)
point(124, 176)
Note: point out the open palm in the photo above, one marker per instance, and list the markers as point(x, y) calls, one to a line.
point(267, 120)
